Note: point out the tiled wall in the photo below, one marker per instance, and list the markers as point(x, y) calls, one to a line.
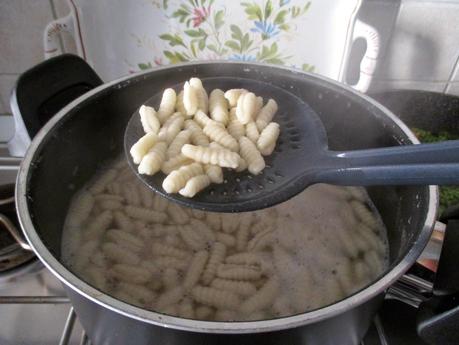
point(22, 23)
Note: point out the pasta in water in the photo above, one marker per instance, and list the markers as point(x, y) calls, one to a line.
point(214, 124)
point(320, 247)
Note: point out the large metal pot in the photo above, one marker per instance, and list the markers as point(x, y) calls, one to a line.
point(89, 131)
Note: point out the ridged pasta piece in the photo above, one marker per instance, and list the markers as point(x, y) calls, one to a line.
point(242, 236)
point(190, 99)
point(119, 254)
point(151, 163)
point(160, 203)
point(203, 312)
point(201, 118)
point(246, 107)
point(96, 277)
point(140, 292)
point(357, 193)
point(131, 274)
point(216, 298)
point(195, 185)
point(177, 179)
point(203, 98)
point(266, 114)
point(170, 129)
point(174, 240)
point(170, 310)
point(242, 165)
point(235, 128)
point(145, 214)
point(196, 268)
point(130, 194)
point(233, 95)
point(122, 221)
point(203, 229)
point(252, 156)
point(363, 213)
point(167, 105)
point(108, 197)
point(179, 107)
point(142, 146)
point(197, 214)
point(241, 288)
point(150, 122)
point(98, 226)
point(85, 252)
point(371, 238)
point(230, 222)
point(125, 239)
point(103, 180)
point(281, 306)
point(238, 272)
point(192, 238)
point(175, 146)
point(114, 188)
point(170, 297)
point(258, 106)
point(170, 278)
point(99, 260)
point(251, 132)
point(214, 220)
point(161, 249)
point(186, 309)
point(164, 262)
point(197, 135)
point(217, 255)
point(261, 240)
point(175, 163)
point(177, 213)
point(268, 137)
point(80, 209)
point(214, 172)
point(374, 262)
point(146, 195)
point(209, 155)
point(221, 136)
point(218, 106)
point(226, 239)
point(263, 298)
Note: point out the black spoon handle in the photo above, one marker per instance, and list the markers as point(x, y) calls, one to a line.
point(411, 164)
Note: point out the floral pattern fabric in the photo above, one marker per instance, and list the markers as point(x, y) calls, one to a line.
point(204, 30)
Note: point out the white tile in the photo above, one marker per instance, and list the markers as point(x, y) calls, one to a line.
point(453, 88)
point(22, 23)
point(424, 45)
point(387, 85)
point(62, 9)
point(7, 82)
point(6, 128)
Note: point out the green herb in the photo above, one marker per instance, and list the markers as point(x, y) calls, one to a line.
point(449, 195)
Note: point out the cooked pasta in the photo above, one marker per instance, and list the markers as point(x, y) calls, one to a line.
point(226, 239)
point(201, 118)
point(177, 179)
point(218, 106)
point(209, 155)
point(166, 250)
point(81, 208)
point(175, 163)
point(364, 214)
point(197, 265)
point(125, 239)
point(195, 185)
point(131, 274)
point(177, 214)
point(170, 297)
point(190, 99)
point(192, 238)
point(142, 146)
point(233, 95)
point(186, 309)
point(167, 105)
point(266, 114)
point(151, 163)
point(221, 136)
point(203, 99)
point(120, 254)
point(251, 155)
point(268, 137)
point(246, 107)
point(197, 135)
point(241, 288)
point(251, 132)
point(235, 128)
point(130, 194)
point(217, 255)
point(238, 272)
point(102, 181)
point(150, 122)
point(170, 129)
point(263, 298)
point(175, 146)
point(122, 221)
point(179, 106)
point(216, 298)
point(98, 225)
point(145, 214)
point(214, 172)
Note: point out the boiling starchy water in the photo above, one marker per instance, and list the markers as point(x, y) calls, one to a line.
point(309, 252)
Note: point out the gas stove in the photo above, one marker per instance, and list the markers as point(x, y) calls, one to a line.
point(35, 310)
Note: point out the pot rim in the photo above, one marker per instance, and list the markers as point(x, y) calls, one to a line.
point(236, 327)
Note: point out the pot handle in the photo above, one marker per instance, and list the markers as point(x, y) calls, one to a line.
point(42, 91)
point(14, 232)
point(370, 59)
point(52, 46)
point(438, 317)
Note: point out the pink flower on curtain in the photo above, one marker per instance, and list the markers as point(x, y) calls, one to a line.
point(200, 15)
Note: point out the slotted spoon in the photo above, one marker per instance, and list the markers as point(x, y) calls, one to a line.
point(301, 158)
